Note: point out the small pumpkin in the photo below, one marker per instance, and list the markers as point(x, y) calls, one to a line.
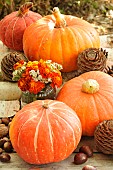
point(45, 131)
point(91, 96)
point(60, 38)
point(13, 26)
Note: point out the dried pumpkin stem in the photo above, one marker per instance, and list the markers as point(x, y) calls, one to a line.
point(45, 105)
point(60, 21)
point(90, 86)
point(24, 8)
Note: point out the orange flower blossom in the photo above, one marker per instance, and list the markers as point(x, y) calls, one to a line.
point(32, 76)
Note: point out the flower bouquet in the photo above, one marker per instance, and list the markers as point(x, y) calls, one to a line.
point(35, 76)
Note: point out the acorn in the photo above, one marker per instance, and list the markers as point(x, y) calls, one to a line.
point(92, 59)
point(103, 137)
point(8, 62)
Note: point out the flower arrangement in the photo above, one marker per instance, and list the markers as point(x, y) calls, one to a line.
point(33, 76)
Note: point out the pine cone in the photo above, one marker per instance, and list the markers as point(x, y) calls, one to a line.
point(92, 59)
point(8, 62)
point(103, 137)
point(109, 70)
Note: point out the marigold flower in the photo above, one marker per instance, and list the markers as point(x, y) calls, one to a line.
point(35, 87)
point(22, 83)
point(57, 81)
point(19, 64)
point(34, 75)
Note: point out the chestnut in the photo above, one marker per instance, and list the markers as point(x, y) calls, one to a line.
point(89, 167)
point(2, 141)
point(5, 157)
point(6, 139)
point(80, 158)
point(5, 120)
point(87, 150)
point(7, 146)
point(1, 150)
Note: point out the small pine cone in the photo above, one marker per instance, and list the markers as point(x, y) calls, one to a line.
point(109, 70)
point(92, 59)
point(8, 62)
point(103, 137)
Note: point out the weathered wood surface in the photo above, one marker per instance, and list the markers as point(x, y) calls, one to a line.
point(99, 160)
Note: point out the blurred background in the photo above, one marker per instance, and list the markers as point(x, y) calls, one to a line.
point(99, 13)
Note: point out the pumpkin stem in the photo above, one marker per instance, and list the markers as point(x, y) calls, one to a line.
point(45, 105)
point(90, 86)
point(24, 9)
point(60, 21)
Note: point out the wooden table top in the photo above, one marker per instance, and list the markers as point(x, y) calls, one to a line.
point(99, 160)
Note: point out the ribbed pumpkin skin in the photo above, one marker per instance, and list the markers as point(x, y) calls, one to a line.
point(62, 45)
point(90, 108)
point(12, 28)
point(41, 135)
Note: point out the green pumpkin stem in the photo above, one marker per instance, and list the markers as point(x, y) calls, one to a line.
point(90, 86)
point(60, 21)
point(24, 9)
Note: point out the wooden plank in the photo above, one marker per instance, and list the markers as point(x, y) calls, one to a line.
point(99, 160)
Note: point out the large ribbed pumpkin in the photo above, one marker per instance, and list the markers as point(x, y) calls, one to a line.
point(91, 96)
point(60, 38)
point(13, 26)
point(45, 131)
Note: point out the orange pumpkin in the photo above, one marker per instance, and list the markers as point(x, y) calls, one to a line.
point(45, 131)
point(12, 26)
point(91, 96)
point(60, 38)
